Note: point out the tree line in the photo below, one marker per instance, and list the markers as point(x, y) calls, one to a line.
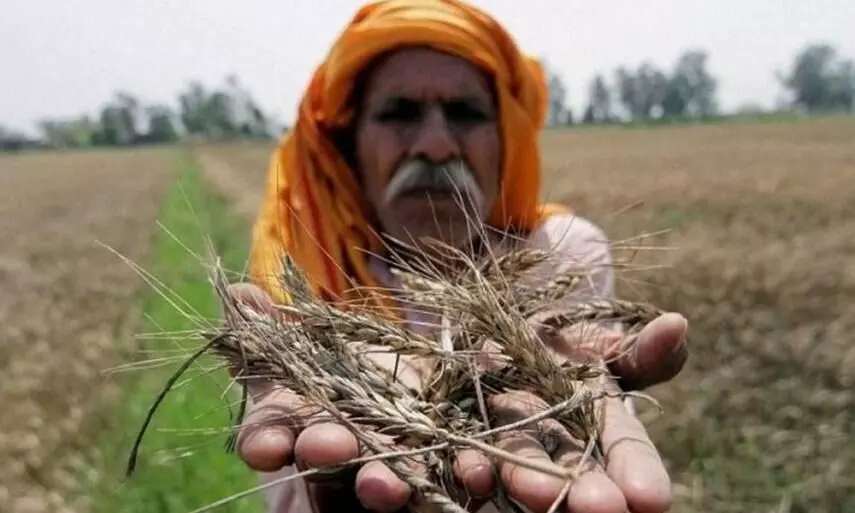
point(818, 81)
point(227, 112)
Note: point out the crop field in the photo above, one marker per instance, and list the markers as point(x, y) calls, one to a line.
point(66, 301)
point(760, 258)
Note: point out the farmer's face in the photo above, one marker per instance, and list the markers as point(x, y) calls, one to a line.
point(426, 141)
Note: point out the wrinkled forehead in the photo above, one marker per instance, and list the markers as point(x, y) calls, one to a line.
point(422, 74)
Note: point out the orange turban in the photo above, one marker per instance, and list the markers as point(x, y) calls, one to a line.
point(313, 208)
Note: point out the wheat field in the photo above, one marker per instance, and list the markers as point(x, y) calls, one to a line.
point(67, 302)
point(759, 225)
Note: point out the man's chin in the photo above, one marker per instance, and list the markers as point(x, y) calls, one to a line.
point(417, 218)
point(423, 233)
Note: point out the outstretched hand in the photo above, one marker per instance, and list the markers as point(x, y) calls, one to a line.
point(277, 432)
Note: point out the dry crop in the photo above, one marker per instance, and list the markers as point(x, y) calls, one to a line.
point(324, 353)
point(762, 219)
point(66, 301)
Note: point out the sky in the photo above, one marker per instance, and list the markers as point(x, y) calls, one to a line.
point(67, 57)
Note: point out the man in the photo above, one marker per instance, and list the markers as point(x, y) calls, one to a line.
point(416, 100)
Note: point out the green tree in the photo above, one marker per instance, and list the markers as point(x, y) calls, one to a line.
point(68, 133)
point(192, 109)
point(627, 91)
point(161, 124)
point(129, 111)
point(248, 115)
point(691, 90)
point(119, 121)
point(820, 81)
point(558, 112)
point(113, 131)
point(227, 112)
point(641, 92)
point(652, 87)
point(599, 108)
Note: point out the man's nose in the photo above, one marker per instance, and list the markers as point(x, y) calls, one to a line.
point(435, 140)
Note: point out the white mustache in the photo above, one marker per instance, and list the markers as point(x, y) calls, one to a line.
point(421, 175)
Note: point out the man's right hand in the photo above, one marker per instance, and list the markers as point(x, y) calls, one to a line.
point(279, 430)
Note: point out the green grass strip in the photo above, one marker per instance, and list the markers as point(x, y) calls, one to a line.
point(179, 468)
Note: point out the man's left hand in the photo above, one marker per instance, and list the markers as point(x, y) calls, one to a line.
point(634, 478)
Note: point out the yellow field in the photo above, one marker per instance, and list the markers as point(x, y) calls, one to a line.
point(64, 300)
point(762, 219)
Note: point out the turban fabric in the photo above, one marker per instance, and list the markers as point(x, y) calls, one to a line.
point(313, 209)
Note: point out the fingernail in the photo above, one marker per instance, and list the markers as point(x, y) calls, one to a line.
point(272, 441)
point(273, 436)
point(684, 328)
point(266, 449)
point(471, 472)
point(678, 318)
point(479, 481)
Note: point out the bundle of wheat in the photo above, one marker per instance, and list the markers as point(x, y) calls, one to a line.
point(320, 352)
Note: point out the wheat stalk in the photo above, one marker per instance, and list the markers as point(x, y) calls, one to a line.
point(318, 350)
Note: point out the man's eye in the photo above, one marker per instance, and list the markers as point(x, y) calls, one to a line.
point(401, 111)
point(465, 112)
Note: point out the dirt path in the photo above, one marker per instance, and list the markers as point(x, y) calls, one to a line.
point(65, 299)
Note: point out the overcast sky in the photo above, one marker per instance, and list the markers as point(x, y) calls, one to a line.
point(66, 57)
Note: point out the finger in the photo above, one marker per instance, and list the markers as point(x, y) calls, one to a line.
point(379, 489)
point(592, 491)
point(266, 437)
point(326, 445)
point(323, 445)
point(353, 488)
point(632, 461)
point(659, 354)
point(476, 474)
point(534, 489)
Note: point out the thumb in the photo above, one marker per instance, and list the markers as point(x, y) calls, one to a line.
point(659, 354)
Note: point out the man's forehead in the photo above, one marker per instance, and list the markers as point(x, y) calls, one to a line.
point(421, 72)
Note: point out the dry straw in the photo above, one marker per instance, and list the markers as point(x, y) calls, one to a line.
point(323, 353)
